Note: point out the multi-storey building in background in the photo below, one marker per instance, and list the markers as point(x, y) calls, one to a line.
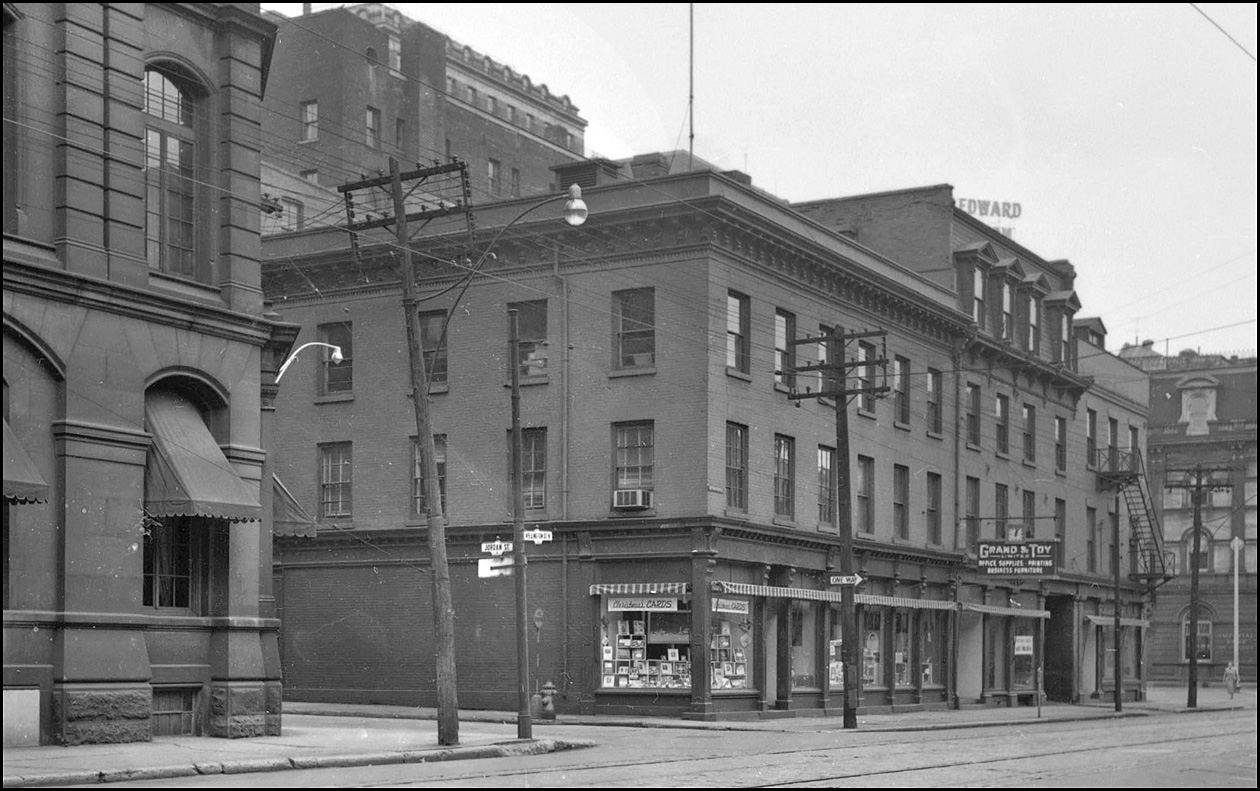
point(139, 363)
point(1203, 412)
point(687, 493)
point(353, 86)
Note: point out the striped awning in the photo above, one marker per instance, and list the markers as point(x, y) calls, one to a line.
point(775, 592)
point(993, 609)
point(1110, 620)
point(901, 601)
point(639, 589)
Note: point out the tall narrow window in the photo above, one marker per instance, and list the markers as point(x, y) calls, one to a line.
point(395, 53)
point(1030, 433)
point(531, 346)
point(784, 476)
point(1001, 510)
point(737, 466)
point(494, 177)
point(515, 191)
point(933, 508)
point(1060, 444)
point(823, 382)
point(973, 511)
point(1200, 643)
point(1002, 413)
point(973, 415)
point(334, 480)
point(171, 154)
point(1060, 530)
point(865, 488)
point(534, 468)
point(433, 342)
point(784, 349)
point(1113, 550)
point(1008, 313)
point(419, 501)
point(1034, 325)
point(336, 377)
point(310, 121)
point(1030, 515)
point(826, 484)
point(635, 452)
point(1134, 450)
point(1091, 437)
point(1091, 539)
point(934, 411)
point(1113, 443)
point(866, 376)
point(1063, 349)
point(372, 126)
point(292, 215)
point(977, 297)
point(901, 390)
point(400, 133)
point(901, 501)
point(634, 316)
point(737, 328)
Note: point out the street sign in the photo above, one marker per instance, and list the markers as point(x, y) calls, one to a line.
point(496, 547)
point(846, 579)
point(494, 567)
point(537, 536)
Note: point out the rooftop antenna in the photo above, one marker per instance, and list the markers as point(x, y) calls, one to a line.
point(691, 85)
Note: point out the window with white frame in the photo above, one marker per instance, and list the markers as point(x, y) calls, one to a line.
point(932, 509)
point(865, 490)
point(433, 344)
point(737, 329)
point(935, 414)
point(784, 349)
point(419, 494)
point(826, 484)
point(784, 476)
point(635, 455)
point(173, 208)
point(1002, 414)
point(736, 466)
point(310, 121)
point(901, 501)
point(531, 336)
point(336, 377)
point(901, 390)
point(634, 317)
point(335, 480)
point(534, 468)
point(1201, 642)
point(372, 127)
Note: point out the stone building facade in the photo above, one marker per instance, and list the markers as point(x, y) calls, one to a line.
point(136, 386)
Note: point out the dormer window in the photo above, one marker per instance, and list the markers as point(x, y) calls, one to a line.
point(1007, 329)
point(978, 308)
point(1034, 325)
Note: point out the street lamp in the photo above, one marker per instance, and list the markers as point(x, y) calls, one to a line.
point(336, 355)
point(574, 214)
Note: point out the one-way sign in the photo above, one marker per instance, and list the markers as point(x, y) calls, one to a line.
point(846, 579)
point(494, 567)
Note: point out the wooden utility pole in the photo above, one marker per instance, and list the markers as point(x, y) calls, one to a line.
point(1200, 485)
point(443, 607)
point(835, 370)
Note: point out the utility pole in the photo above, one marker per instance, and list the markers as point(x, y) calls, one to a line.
point(1199, 487)
point(443, 607)
point(834, 371)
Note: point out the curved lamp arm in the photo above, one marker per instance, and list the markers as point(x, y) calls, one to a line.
point(336, 355)
point(575, 213)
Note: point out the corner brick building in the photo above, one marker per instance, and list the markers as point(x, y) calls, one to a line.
point(688, 496)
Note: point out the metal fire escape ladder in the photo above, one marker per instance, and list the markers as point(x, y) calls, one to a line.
point(1126, 472)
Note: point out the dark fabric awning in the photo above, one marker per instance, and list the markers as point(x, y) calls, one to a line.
point(775, 592)
point(187, 474)
point(22, 482)
point(1110, 620)
point(639, 588)
point(993, 609)
point(288, 517)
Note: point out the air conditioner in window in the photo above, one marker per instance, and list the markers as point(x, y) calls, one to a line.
point(632, 499)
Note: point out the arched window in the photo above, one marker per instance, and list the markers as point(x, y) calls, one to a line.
point(1205, 551)
point(1200, 643)
point(171, 176)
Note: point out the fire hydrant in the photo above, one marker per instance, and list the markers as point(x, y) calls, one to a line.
point(547, 710)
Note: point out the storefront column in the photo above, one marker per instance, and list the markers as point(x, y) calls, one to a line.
point(783, 577)
point(703, 564)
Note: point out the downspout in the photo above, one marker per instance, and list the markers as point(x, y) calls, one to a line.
point(956, 361)
point(564, 467)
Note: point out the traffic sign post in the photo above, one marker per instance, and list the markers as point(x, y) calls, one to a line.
point(494, 567)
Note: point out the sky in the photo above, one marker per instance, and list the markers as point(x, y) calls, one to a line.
point(1125, 132)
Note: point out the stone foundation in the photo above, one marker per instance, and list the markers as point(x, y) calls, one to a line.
point(238, 710)
point(102, 714)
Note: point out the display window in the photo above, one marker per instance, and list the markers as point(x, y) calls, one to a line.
point(730, 644)
point(902, 672)
point(872, 633)
point(804, 645)
point(645, 647)
point(995, 649)
point(932, 647)
point(1128, 652)
point(1024, 664)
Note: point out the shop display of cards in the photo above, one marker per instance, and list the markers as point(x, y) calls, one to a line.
point(728, 668)
point(633, 666)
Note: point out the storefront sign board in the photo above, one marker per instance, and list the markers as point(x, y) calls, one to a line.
point(737, 606)
point(648, 603)
point(1016, 558)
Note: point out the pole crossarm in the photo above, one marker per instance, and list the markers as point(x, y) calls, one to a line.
point(883, 390)
point(415, 216)
point(383, 181)
point(811, 367)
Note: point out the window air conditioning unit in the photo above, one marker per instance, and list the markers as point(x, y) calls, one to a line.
point(632, 499)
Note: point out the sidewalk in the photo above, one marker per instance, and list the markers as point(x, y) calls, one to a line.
point(325, 735)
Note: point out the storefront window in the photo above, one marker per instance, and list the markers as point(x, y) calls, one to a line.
point(901, 649)
point(1025, 666)
point(645, 648)
point(932, 648)
point(804, 645)
point(995, 654)
point(730, 644)
point(1128, 653)
point(872, 648)
point(835, 659)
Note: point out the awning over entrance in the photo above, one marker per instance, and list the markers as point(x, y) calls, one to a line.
point(775, 592)
point(288, 517)
point(639, 589)
point(993, 609)
point(186, 473)
point(1110, 620)
point(901, 601)
point(22, 482)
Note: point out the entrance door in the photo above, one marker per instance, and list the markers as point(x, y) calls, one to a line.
point(1059, 652)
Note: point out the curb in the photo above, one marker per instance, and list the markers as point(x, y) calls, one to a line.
point(505, 750)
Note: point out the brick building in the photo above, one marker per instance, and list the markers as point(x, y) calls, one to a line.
point(355, 85)
point(688, 495)
point(1203, 411)
point(138, 367)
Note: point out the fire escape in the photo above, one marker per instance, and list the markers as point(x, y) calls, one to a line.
point(1124, 471)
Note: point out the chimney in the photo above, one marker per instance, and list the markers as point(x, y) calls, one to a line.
point(649, 166)
point(586, 174)
point(740, 176)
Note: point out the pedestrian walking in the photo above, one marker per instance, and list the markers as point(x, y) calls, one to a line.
point(1231, 679)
